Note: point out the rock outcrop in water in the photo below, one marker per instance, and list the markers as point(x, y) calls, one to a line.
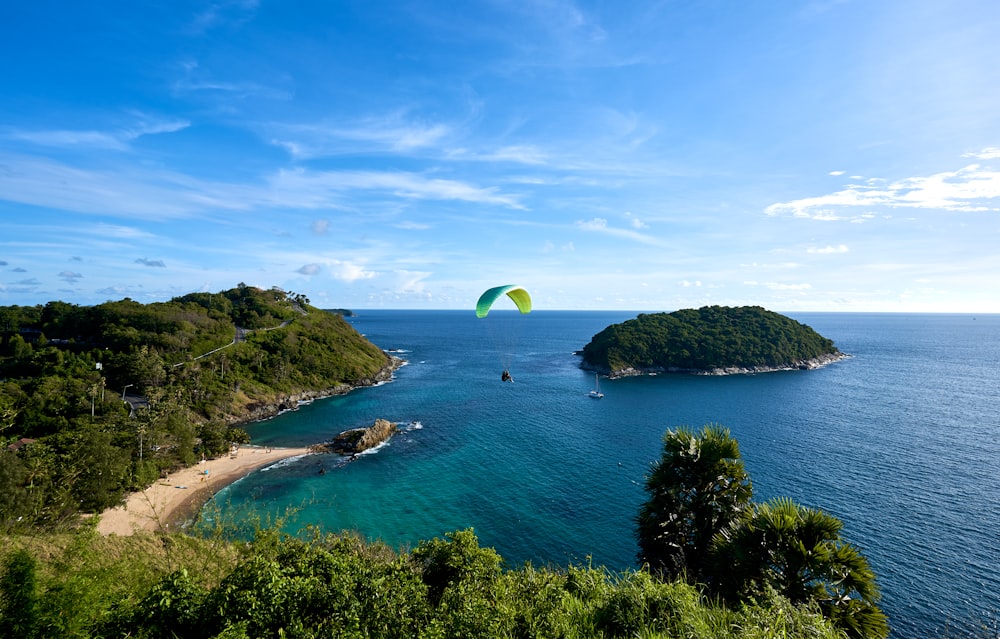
point(358, 440)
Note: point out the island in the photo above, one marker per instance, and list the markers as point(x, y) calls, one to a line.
point(712, 340)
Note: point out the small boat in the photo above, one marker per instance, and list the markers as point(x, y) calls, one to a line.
point(596, 393)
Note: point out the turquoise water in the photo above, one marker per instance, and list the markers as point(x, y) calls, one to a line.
point(900, 441)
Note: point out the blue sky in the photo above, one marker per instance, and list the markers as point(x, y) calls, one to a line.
point(798, 155)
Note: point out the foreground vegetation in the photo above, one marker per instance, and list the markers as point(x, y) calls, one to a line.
point(705, 339)
point(699, 524)
point(154, 586)
point(191, 369)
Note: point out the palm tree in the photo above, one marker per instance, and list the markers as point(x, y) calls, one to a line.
point(698, 487)
point(798, 552)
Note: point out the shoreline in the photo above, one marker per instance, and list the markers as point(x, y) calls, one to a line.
point(807, 364)
point(170, 502)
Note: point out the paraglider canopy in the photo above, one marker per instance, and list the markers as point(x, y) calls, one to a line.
point(517, 293)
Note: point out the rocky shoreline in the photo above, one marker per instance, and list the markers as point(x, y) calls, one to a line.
point(806, 364)
point(261, 411)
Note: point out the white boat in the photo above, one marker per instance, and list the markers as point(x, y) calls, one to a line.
point(596, 393)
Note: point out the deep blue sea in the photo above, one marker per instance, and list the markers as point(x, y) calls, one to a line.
point(901, 441)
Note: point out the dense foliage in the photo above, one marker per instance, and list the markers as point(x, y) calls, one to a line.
point(153, 586)
point(697, 488)
point(699, 524)
point(711, 337)
point(98, 400)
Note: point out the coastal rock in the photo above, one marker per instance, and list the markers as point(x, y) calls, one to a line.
point(801, 365)
point(358, 440)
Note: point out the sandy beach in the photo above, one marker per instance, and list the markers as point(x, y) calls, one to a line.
point(170, 501)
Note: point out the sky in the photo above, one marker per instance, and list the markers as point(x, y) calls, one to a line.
point(800, 155)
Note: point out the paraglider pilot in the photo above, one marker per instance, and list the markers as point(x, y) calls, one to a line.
point(505, 376)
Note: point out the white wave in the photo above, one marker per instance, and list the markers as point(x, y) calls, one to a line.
point(373, 449)
point(281, 463)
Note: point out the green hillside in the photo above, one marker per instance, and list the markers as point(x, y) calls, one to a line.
point(192, 370)
point(711, 338)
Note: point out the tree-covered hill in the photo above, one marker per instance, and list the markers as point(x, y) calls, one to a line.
point(201, 364)
point(708, 339)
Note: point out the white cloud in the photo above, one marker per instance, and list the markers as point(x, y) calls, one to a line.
point(636, 222)
point(309, 269)
point(971, 188)
point(825, 250)
point(989, 153)
point(320, 227)
point(596, 224)
point(349, 272)
point(837, 173)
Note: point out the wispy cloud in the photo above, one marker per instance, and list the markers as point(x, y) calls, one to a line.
point(307, 189)
point(392, 133)
point(515, 154)
point(70, 276)
point(217, 14)
point(309, 269)
point(120, 232)
point(153, 263)
point(141, 193)
point(600, 225)
point(409, 225)
point(116, 139)
point(971, 188)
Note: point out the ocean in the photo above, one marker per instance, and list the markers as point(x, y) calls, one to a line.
point(901, 441)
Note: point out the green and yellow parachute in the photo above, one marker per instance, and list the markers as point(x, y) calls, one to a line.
point(516, 293)
point(503, 327)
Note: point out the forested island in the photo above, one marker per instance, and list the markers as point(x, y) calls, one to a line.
point(709, 340)
point(99, 400)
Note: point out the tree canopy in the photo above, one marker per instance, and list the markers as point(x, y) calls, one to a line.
point(704, 339)
point(699, 523)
